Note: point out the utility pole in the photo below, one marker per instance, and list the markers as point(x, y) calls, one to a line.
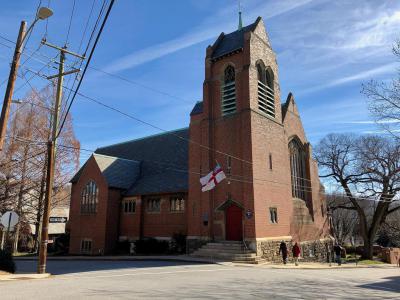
point(51, 153)
point(41, 14)
point(5, 111)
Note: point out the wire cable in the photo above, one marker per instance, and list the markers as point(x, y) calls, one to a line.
point(70, 22)
point(87, 64)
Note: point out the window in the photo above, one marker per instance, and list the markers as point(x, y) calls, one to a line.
point(153, 204)
point(177, 204)
point(273, 215)
point(270, 161)
point(86, 246)
point(129, 205)
point(89, 198)
point(228, 103)
point(298, 169)
point(266, 98)
point(228, 165)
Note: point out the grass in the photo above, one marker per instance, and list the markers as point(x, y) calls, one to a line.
point(20, 254)
point(351, 259)
point(370, 262)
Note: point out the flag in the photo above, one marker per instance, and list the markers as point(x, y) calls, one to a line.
point(209, 181)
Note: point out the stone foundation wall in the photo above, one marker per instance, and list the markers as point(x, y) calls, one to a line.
point(311, 251)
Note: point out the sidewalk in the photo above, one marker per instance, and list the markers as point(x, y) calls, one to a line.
point(191, 259)
point(11, 277)
point(319, 266)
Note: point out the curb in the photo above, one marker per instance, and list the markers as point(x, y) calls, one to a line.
point(323, 267)
point(123, 258)
point(13, 277)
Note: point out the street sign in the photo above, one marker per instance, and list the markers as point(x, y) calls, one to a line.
point(9, 220)
point(58, 220)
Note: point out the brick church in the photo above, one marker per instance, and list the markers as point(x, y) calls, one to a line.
point(149, 187)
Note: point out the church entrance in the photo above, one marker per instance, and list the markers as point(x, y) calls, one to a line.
point(233, 221)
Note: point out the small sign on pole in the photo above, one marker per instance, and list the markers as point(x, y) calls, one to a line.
point(58, 220)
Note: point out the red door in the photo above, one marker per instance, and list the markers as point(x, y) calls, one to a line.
point(233, 223)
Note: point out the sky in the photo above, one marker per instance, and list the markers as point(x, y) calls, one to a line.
point(325, 51)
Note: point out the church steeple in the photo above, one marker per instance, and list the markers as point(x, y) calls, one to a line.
point(240, 26)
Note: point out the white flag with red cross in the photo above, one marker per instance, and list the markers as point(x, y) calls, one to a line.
point(209, 181)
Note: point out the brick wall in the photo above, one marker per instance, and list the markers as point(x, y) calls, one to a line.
point(252, 136)
point(89, 226)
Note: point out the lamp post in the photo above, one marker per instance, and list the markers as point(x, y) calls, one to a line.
point(42, 14)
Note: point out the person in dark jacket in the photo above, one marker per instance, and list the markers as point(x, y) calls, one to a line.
point(283, 250)
point(338, 253)
point(296, 253)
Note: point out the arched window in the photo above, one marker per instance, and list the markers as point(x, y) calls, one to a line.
point(89, 198)
point(298, 169)
point(228, 103)
point(266, 99)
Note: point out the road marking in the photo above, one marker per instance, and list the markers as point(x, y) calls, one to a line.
point(141, 273)
point(137, 269)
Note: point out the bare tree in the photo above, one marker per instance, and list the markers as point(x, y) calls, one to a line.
point(23, 163)
point(384, 100)
point(366, 168)
point(344, 221)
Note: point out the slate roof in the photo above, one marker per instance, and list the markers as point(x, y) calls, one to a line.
point(234, 41)
point(119, 173)
point(197, 109)
point(163, 162)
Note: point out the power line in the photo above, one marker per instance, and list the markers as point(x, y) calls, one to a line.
point(70, 21)
point(179, 169)
point(79, 49)
point(87, 64)
point(132, 82)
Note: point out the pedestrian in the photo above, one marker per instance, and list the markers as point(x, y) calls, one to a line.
point(338, 253)
point(296, 253)
point(283, 250)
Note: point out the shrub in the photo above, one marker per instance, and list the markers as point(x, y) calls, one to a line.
point(6, 262)
point(178, 243)
point(122, 247)
point(151, 246)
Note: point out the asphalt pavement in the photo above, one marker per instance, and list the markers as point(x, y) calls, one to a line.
point(182, 280)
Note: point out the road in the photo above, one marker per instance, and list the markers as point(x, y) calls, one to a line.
point(173, 280)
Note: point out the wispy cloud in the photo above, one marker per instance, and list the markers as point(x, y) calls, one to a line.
point(368, 74)
point(372, 122)
point(210, 29)
point(381, 131)
point(388, 68)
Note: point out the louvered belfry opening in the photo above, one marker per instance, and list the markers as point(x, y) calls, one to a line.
point(298, 169)
point(266, 99)
point(228, 92)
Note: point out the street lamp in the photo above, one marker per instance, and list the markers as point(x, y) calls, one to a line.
point(42, 14)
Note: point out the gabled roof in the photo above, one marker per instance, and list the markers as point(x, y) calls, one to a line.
point(231, 42)
point(285, 107)
point(197, 109)
point(163, 161)
point(118, 172)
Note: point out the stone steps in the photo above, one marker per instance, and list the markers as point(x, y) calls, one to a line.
point(228, 251)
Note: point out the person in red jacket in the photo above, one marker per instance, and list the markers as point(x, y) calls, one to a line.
point(296, 253)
